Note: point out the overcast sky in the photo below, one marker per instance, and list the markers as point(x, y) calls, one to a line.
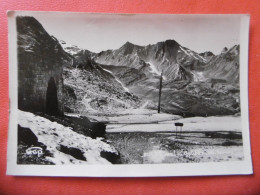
point(97, 32)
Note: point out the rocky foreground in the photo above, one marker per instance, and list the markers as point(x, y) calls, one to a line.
point(189, 147)
point(41, 141)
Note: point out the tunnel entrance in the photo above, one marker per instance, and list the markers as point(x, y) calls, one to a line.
point(52, 98)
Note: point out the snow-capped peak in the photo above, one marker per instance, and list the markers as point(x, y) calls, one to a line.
point(71, 49)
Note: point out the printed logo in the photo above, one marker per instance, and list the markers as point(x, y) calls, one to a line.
point(34, 151)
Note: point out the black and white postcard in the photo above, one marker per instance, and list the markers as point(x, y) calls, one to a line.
point(128, 95)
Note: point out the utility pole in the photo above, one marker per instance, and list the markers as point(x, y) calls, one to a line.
point(160, 93)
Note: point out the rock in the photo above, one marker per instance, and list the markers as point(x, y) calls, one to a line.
point(111, 157)
point(26, 140)
point(75, 152)
point(81, 125)
point(98, 130)
point(26, 136)
point(225, 49)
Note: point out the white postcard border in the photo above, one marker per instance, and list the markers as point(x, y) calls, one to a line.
point(142, 170)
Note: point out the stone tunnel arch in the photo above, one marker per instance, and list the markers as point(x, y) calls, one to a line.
point(52, 107)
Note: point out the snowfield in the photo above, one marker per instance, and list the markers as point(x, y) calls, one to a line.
point(160, 123)
point(141, 116)
point(117, 79)
point(133, 116)
point(55, 135)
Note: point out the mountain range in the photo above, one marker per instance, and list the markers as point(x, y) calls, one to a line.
point(194, 84)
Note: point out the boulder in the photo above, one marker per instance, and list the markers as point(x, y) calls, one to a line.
point(26, 136)
point(75, 152)
point(114, 158)
point(98, 130)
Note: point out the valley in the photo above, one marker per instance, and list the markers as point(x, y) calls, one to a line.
point(207, 104)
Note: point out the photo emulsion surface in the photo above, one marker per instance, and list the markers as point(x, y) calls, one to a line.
point(106, 89)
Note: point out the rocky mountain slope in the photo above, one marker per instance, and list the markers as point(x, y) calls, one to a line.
point(89, 88)
point(174, 60)
point(95, 91)
point(193, 84)
point(177, 63)
point(225, 66)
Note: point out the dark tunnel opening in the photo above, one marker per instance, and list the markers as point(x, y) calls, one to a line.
point(52, 107)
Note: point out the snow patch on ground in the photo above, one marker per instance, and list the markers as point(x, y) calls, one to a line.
point(72, 115)
point(154, 70)
point(184, 51)
point(156, 156)
point(198, 76)
point(190, 53)
point(140, 115)
point(141, 128)
point(144, 105)
point(199, 124)
point(140, 118)
point(71, 49)
point(218, 119)
point(86, 102)
point(53, 135)
point(212, 123)
point(138, 111)
point(204, 60)
point(117, 80)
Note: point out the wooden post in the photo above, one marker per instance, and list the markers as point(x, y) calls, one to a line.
point(160, 93)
